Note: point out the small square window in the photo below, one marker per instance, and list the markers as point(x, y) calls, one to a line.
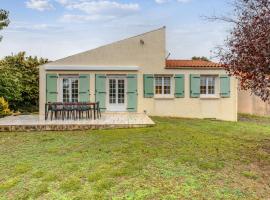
point(162, 85)
point(207, 85)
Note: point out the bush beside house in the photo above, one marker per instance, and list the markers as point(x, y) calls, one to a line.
point(4, 108)
point(19, 81)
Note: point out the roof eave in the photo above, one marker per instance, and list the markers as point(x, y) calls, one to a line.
point(91, 68)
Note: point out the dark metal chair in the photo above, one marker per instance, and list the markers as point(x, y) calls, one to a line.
point(88, 110)
point(84, 110)
point(72, 110)
point(47, 109)
point(56, 110)
point(69, 111)
point(97, 110)
point(79, 110)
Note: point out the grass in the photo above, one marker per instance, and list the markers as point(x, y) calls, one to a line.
point(255, 118)
point(176, 159)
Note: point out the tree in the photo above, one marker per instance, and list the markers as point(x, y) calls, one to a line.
point(19, 76)
point(10, 84)
point(4, 21)
point(246, 53)
point(200, 58)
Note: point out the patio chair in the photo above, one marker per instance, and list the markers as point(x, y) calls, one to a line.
point(48, 109)
point(84, 108)
point(70, 111)
point(97, 110)
point(78, 110)
point(56, 110)
point(89, 110)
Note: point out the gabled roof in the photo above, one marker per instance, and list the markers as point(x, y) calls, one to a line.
point(176, 64)
point(105, 55)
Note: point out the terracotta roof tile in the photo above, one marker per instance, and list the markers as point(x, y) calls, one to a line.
point(175, 64)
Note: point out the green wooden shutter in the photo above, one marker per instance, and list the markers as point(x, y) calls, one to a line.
point(148, 85)
point(100, 83)
point(132, 93)
point(84, 88)
point(179, 85)
point(51, 87)
point(225, 86)
point(195, 85)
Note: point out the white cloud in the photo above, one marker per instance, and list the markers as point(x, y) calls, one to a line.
point(25, 27)
point(91, 10)
point(101, 6)
point(44, 26)
point(167, 1)
point(85, 18)
point(161, 1)
point(39, 5)
point(183, 1)
point(96, 10)
point(63, 2)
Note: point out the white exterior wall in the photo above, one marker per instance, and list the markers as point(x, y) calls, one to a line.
point(219, 108)
point(251, 104)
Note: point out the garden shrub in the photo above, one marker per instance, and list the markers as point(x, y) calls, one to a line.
point(4, 107)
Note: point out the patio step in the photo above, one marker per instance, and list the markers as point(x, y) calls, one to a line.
point(67, 127)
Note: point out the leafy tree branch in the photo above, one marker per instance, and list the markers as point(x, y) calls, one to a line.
point(4, 21)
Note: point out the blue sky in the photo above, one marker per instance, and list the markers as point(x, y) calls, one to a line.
point(59, 28)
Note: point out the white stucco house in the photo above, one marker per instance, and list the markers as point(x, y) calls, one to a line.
point(133, 75)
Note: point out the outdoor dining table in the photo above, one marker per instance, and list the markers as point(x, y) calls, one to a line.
point(69, 110)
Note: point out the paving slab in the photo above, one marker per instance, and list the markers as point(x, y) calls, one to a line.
point(107, 120)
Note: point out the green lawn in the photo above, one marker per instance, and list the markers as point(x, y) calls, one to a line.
point(176, 159)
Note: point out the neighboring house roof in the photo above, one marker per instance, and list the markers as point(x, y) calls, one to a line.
point(175, 64)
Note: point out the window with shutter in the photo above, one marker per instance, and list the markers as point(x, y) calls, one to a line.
point(163, 86)
point(208, 86)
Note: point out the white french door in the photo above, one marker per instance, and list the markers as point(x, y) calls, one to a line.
point(116, 94)
point(69, 89)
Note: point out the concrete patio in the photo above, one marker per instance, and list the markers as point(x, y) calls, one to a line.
point(107, 120)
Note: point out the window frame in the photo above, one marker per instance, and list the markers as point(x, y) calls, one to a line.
point(207, 94)
point(162, 95)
